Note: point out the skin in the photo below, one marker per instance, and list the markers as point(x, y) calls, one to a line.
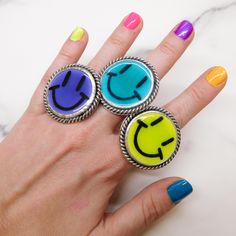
point(54, 180)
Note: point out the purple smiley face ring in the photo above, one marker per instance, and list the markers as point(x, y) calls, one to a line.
point(72, 93)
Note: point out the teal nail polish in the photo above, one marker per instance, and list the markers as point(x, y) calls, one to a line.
point(179, 190)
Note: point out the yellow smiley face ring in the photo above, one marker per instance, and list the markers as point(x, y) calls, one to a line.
point(150, 139)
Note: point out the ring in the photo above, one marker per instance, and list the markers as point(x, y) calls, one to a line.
point(150, 139)
point(72, 93)
point(128, 85)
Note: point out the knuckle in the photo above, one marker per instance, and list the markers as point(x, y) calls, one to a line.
point(78, 141)
point(151, 210)
point(66, 55)
point(109, 167)
point(95, 65)
point(117, 41)
point(168, 48)
point(196, 94)
point(72, 141)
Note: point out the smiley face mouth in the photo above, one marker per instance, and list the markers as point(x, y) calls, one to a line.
point(159, 150)
point(65, 81)
point(135, 93)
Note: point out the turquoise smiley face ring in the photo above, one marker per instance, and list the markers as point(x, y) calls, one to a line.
point(128, 85)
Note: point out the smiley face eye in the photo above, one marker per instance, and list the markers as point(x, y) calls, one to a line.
point(125, 68)
point(167, 142)
point(111, 74)
point(65, 81)
point(81, 82)
point(158, 120)
point(140, 83)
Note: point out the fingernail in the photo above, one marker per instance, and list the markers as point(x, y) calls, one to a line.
point(132, 21)
point(217, 76)
point(77, 34)
point(179, 190)
point(184, 30)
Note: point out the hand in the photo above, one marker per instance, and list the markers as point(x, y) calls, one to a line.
point(57, 179)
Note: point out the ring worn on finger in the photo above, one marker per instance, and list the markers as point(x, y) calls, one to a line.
point(150, 139)
point(149, 136)
point(72, 93)
point(128, 85)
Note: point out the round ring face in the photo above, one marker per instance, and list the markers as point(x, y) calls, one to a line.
point(152, 139)
point(70, 92)
point(127, 83)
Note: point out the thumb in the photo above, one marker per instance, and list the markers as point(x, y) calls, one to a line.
point(149, 205)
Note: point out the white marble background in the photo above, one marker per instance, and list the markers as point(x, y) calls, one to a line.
point(33, 31)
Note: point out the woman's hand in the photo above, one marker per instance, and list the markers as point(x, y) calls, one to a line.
point(57, 179)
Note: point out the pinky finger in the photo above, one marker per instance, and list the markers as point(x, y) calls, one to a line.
point(198, 95)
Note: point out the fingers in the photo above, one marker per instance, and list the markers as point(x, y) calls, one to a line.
point(198, 95)
point(171, 48)
point(119, 41)
point(116, 46)
point(148, 206)
point(163, 57)
point(70, 53)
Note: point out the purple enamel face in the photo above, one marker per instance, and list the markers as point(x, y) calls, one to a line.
point(70, 92)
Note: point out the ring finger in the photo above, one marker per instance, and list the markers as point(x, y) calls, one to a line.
point(191, 101)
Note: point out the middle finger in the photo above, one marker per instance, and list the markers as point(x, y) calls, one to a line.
point(163, 57)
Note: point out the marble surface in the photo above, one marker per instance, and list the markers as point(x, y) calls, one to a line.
point(33, 31)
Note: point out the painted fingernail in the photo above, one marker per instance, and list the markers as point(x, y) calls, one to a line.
point(132, 21)
point(217, 76)
point(77, 34)
point(179, 190)
point(184, 30)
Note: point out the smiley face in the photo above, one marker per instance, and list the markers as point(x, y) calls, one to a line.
point(151, 138)
point(127, 83)
point(70, 92)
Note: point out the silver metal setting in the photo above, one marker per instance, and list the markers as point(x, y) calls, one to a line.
point(123, 130)
point(86, 111)
point(141, 106)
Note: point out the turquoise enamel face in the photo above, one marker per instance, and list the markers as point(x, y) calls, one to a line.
point(127, 83)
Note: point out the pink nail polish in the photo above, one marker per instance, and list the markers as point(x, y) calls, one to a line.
point(132, 21)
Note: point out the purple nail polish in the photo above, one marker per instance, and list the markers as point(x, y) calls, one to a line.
point(184, 30)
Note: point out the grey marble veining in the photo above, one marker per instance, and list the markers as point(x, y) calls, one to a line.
point(3, 130)
point(3, 2)
point(213, 10)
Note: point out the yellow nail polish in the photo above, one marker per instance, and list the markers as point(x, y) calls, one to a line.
point(77, 34)
point(217, 76)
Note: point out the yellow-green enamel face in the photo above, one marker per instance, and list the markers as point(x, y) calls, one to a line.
point(151, 138)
